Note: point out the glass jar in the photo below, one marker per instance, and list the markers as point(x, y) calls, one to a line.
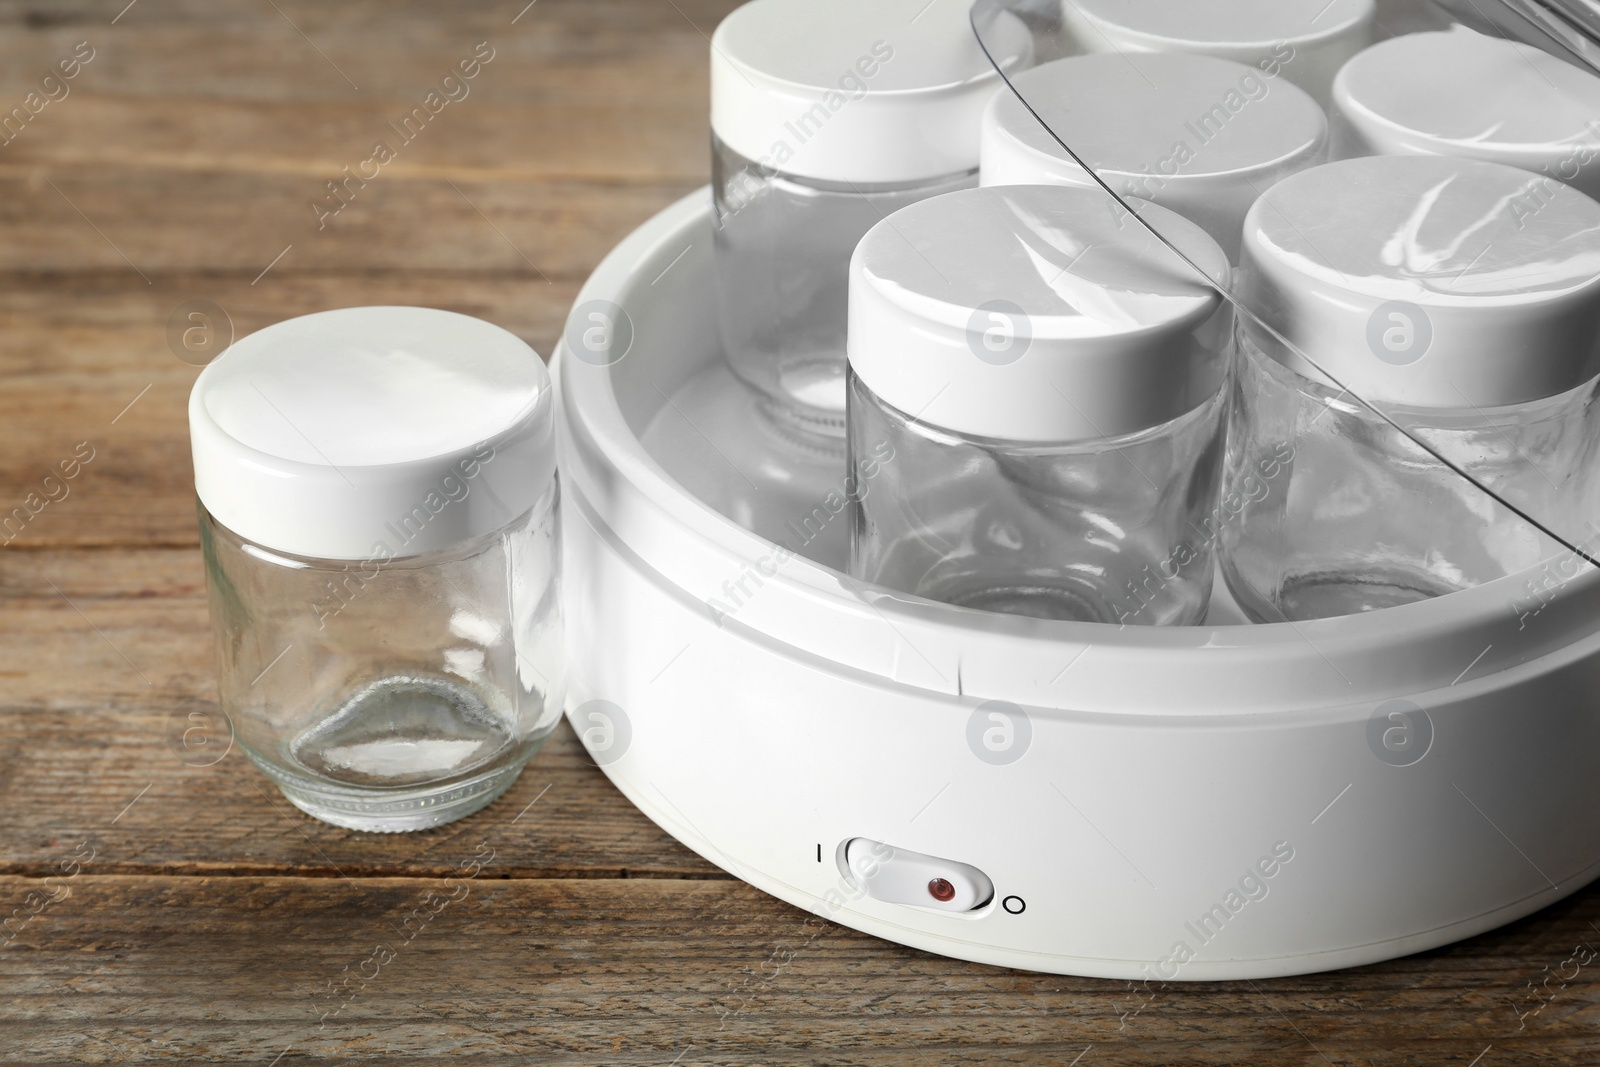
point(378, 514)
point(1059, 530)
point(1463, 93)
point(1149, 133)
point(1307, 40)
point(1399, 292)
point(826, 116)
point(1337, 512)
point(769, 475)
point(783, 245)
point(1036, 407)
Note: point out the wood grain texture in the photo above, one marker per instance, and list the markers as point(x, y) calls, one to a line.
point(146, 968)
point(106, 671)
point(158, 904)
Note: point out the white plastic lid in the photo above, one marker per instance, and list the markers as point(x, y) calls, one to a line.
point(858, 90)
point(372, 432)
point(1199, 135)
point(1036, 313)
point(1428, 281)
point(1461, 93)
point(1306, 40)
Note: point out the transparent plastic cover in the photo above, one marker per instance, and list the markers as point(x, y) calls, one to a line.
point(1404, 192)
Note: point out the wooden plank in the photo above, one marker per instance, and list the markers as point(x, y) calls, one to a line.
point(148, 969)
point(155, 221)
point(236, 88)
point(85, 628)
point(223, 126)
point(106, 658)
point(121, 776)
point(296, 49)
point(560, 134)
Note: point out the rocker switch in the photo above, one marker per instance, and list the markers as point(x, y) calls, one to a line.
point(898, 876)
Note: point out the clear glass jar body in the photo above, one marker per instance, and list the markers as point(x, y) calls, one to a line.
point(1111, 531)
point(1338, 512)
point(782, 262)
point(768, 473)
point(392, 693)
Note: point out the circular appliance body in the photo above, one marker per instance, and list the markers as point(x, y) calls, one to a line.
point(1225, 801)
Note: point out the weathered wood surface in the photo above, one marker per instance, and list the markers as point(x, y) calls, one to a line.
point(207, 920)
point(237, 969)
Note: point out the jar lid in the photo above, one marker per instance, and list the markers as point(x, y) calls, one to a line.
point(1036, 313)
point(372, 432)
point(1428, 281)
point(1199, 135)
point(1306, 40)
point(850, 91)
point(1462, 93)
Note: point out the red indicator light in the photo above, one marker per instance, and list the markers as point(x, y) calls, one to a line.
point(941, 890)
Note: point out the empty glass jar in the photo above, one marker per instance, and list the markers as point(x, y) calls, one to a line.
point(827, 115)
point(1412, 284)
point(378, 509)
point(1463, 93)
point(1200, 135)
point(1037, 390)
point(1306, 40)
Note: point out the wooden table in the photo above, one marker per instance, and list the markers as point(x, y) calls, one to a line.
point(160, 903)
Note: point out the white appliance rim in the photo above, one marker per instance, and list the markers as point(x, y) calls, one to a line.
point(596, 432)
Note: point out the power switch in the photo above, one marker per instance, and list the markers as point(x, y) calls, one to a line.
point(898, 876)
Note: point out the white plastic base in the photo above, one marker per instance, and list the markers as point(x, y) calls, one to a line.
point(1217, 802)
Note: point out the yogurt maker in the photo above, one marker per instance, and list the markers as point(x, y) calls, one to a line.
point(1224, 801)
